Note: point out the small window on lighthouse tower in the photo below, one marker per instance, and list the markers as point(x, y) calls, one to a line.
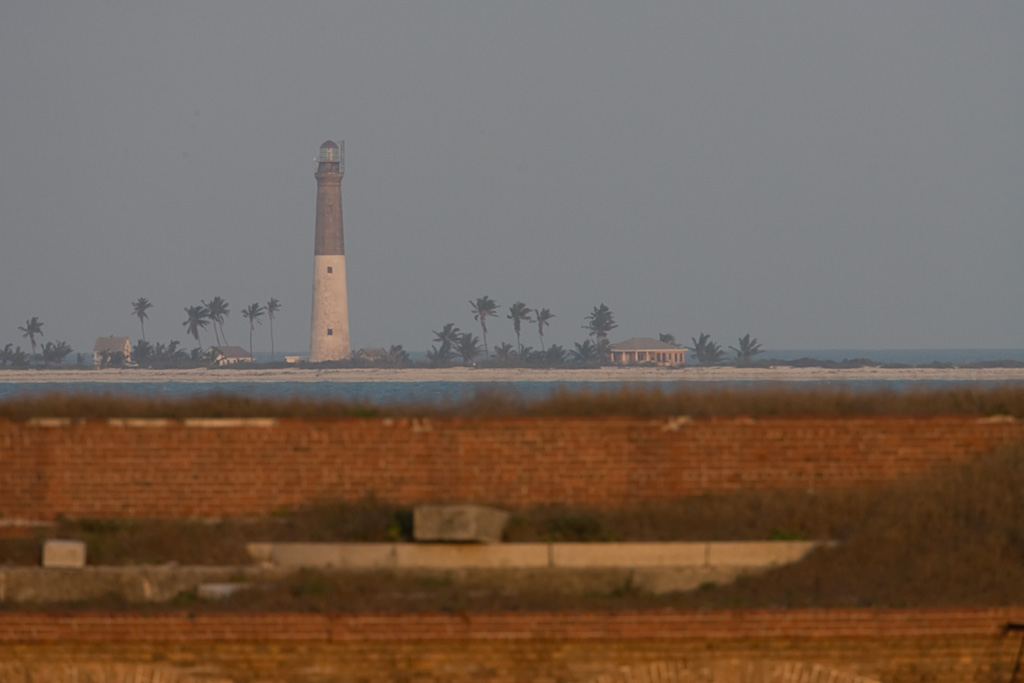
point(330, 269)
point(330, 332)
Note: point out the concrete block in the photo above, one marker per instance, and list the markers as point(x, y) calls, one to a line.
point(467, 556)
point(458, 523)
point(64, 554)
point(757, 554)
point(335, 555)
point(597, 555)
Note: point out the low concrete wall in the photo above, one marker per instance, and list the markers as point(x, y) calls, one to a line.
point(656, 568)
point(144, 584)
point(530, 555)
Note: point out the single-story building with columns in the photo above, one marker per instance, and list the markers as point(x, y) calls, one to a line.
point(646, 350)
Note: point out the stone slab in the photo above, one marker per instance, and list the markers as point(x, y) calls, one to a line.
point(61, 554)
point(458, 523)
point(599, 555)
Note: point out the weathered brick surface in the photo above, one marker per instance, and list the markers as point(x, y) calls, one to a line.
point(166, 468)
point(942, 645)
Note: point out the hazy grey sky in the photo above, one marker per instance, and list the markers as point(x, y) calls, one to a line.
point(819, 174)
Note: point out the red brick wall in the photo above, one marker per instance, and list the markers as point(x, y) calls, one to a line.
point(940, 645)
point(184, 469)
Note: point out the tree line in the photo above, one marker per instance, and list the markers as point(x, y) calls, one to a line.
point(144, 353)
point(210, 313)
point(450, 344)
point(49, 352)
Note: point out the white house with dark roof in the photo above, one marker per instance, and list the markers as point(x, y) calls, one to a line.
point(106, 347)
point(647, 350)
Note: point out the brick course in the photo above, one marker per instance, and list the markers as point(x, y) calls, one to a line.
point(172, 469)
point(942, 645)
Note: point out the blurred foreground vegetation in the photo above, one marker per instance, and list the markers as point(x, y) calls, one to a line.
point(784, 399)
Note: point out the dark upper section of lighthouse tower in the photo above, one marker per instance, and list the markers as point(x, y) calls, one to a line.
point(330, 237)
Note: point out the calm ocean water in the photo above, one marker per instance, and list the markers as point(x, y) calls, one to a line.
point(435, 392)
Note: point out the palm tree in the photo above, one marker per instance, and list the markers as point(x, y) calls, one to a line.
point(198, 318)
point(253, 314)
point(142, 352)
point(708, 352)
point(555, 355)
point(483, 307)
point(469, 346)
point(139, 308)
point(448, 337)
point(55, 352)
point(665, 338)
point(600, 322)
point(273, 306)
point(505, 354)
point(18, 358)
point(747, 350)
point(518, 313)
point(170, 354)
point(396, 356)
point(31, 329)
point(543, 316)
point(585, 352)
point(218, 310)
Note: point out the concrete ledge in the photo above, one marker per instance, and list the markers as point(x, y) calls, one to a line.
point(229, 422)
point(49, 422)
point(336, 555)
point(601, 555)
point(739, 554)
point(449, 556)
point(139, 422)
point(137, 584)
point(757, 554)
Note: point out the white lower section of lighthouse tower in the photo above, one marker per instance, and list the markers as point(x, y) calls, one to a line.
point(329, 335)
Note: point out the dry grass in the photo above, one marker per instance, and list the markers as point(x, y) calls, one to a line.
point(954, 538)
point(775, 400)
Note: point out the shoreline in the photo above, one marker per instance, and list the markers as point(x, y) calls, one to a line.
point(498, 375)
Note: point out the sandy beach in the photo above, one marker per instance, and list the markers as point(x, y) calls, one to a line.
point(460, 374)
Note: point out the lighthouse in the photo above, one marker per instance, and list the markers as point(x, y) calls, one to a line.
point(329, 332)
